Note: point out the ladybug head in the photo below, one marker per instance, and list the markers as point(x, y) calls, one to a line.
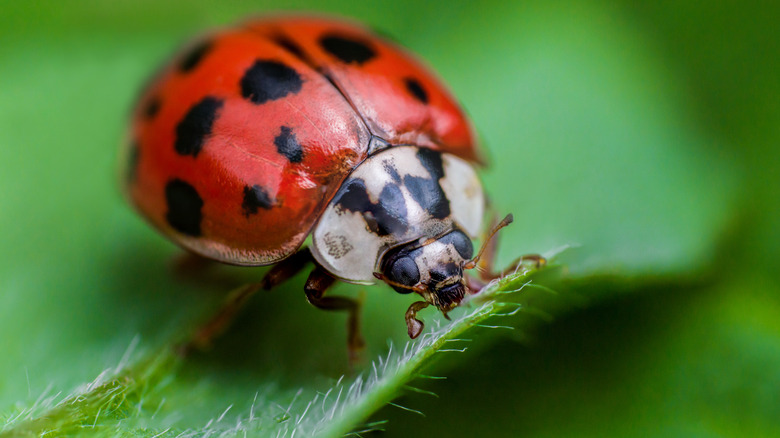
point(431, 267)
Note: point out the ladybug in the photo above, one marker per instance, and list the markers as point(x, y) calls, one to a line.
point(263, 134)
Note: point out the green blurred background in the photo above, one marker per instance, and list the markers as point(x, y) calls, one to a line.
point(647, 135)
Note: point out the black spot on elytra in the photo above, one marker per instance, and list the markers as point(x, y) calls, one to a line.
point(152, 107)
point(255, 197)
point(289, 45)
point(133, 154)
point(196, 54)
point(269, 80)
point(287, 145)
point(348, 50)
point(184, 207)
point(192, 130)
point(388, 216)
point(415, 89)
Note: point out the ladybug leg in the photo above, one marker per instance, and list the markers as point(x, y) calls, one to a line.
point(287, 268)
point(535, 260)
point(475, 285)
point(205, 335)
point(413, 325)
point(487, 274)
point(237, 299)
point(188, 262)
point(192, 268)
point(486, 262)
point(319, 281)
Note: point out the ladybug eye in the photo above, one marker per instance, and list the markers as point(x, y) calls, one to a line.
point(404, 271)
point(461, 242)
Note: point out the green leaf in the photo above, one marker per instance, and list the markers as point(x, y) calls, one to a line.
point(131, 392)
point(642, 135)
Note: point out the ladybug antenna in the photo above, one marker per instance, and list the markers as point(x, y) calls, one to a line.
point(382, 277)
point(471, 264)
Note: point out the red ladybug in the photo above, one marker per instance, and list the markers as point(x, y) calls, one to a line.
point(260, 135)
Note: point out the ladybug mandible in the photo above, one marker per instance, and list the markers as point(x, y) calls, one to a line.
point(260, 135)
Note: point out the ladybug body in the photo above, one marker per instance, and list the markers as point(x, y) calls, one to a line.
point(259, 135)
